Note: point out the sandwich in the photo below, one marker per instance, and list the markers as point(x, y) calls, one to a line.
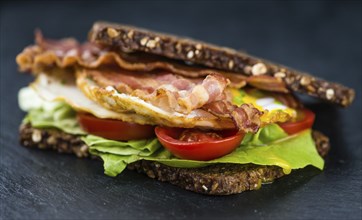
point(206, 118)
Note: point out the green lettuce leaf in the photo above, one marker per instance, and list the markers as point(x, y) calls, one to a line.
point(265, 135)
point(58, 115)
point(114, 164)
point(117, 154)
point(43, 114)
point(278, 149)
point(135, 147)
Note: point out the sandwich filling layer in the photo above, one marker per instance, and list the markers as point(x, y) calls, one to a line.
point(269, 146)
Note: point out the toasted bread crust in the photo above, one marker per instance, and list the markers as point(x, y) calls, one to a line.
point(52, 139)
point(220, 179)
point(129, 39)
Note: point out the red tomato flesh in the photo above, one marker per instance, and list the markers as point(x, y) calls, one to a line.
point(305, 120)
point(198, 145)
point(114, 129)
point(189, 135)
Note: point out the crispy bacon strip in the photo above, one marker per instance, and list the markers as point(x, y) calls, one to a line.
point(165, 90)
point(268, 83)
point(69, 53)
point(211, 89)
point(246, 118)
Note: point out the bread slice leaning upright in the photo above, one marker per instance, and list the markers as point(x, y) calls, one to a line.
point(130, 39)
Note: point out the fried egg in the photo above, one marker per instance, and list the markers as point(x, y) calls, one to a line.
point(273, 110)
point(130, 108)
point(111, 99)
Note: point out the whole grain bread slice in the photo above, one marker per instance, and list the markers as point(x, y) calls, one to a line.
point(133, 39)
point(220, 179)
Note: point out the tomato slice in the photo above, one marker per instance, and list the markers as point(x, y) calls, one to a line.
point(198, 146)
point(305, 120)
point(114, 129)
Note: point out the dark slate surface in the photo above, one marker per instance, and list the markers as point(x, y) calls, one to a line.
point(322, 38)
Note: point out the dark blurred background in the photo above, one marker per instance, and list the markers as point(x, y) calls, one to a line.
point(319, 37)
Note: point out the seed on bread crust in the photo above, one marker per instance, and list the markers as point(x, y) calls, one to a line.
point(190, 54)
point(36, 136)
point(151, 44)
point(143, 41)
point(279, 75)
point(231, 64)
point(259, 69)
point(130, 34)
point(329, 94)
point(247, 70)
point(305, 81)
point(112, 33)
